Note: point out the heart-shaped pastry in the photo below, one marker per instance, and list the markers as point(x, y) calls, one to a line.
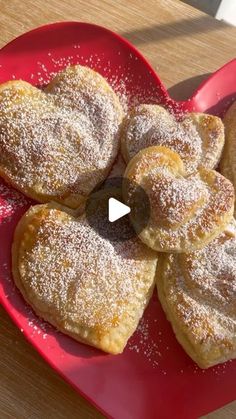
point(89, 287)
point(58, 144)
point(197, 292)
point(198, 138)
point(187, 211)
point(228, 160)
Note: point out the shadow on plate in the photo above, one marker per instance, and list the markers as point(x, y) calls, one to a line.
point(185, 89)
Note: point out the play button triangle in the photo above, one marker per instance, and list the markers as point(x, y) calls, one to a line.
point(116, 209)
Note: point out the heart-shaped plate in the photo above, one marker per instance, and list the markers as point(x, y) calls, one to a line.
point(153, 377)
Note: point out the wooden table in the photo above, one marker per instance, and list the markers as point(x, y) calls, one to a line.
point(183, 45)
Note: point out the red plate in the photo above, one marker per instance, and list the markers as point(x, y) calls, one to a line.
point(153, 377)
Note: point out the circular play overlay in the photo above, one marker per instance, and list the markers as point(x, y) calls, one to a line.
point(108, 214)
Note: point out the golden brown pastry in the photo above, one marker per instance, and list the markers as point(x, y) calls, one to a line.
point(58, 144)
point(187, 212)
point(88, 287)
point(198, 138)
point(198, 294)
point(228, 160)
point(117, 170)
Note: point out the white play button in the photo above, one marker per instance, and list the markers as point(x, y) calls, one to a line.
point(110, 217)
point(116, 209)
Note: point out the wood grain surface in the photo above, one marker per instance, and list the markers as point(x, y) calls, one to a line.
point(183, 45)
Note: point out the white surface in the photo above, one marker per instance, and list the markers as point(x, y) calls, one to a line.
point(116, 209)
point(227, 11)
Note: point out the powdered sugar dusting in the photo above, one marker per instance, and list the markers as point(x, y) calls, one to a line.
point(10, 201)
point(38, 329)
point(119, 77)
point(42, 77)
point(196, 138)
point(149, 125)
point(214, 269)
point(144, 344)
point(82, 276)
point(62, 142)
point(195, 206)
point(175, 199)
point(208, 291)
